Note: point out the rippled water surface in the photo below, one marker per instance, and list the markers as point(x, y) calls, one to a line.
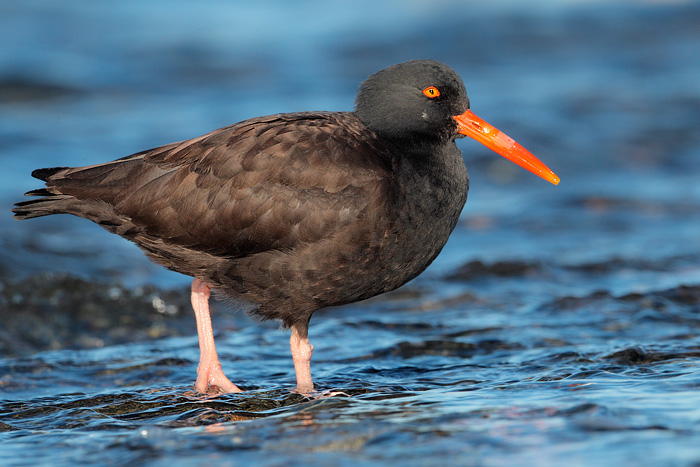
point(560, 325)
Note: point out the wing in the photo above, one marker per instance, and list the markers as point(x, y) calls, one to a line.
point(267, 183)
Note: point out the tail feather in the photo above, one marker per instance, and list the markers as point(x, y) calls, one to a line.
point(44, 174)
point(39, 192)
point(51, 204)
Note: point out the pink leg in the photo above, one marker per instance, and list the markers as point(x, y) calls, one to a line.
point(301, 354)
point(210, 376)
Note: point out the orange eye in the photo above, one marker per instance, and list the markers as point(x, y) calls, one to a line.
point(431, 92)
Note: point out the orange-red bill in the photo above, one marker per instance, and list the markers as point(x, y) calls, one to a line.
point(470, 125)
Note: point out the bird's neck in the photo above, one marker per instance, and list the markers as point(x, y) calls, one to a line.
point(438, 173)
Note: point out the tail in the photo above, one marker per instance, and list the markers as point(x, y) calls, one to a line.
point(53, 202)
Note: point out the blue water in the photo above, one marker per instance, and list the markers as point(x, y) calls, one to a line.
point(560, 325)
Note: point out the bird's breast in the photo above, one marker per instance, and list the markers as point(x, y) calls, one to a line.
point(428, 198)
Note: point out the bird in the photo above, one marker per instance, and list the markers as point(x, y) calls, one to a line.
point(294, 212)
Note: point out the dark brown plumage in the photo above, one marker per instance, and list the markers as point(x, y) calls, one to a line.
point(291, 212)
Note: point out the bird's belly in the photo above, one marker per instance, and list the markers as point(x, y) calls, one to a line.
point(353, 265)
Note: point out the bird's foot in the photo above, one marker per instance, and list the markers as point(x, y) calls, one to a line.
point(212, 380)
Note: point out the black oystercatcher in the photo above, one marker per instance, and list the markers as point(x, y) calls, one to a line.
point(295, 212)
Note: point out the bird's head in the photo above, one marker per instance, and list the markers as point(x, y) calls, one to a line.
point(425, 100)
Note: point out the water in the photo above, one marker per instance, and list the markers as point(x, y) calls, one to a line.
point(558, 327)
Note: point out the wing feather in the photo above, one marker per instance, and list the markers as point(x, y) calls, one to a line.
point(263, 184)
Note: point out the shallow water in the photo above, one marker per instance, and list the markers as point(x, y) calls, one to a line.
point(560, 325)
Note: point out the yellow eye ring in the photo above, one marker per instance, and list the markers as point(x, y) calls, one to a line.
point(431, 91)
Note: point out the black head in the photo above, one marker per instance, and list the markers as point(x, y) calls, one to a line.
point(413, 100)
